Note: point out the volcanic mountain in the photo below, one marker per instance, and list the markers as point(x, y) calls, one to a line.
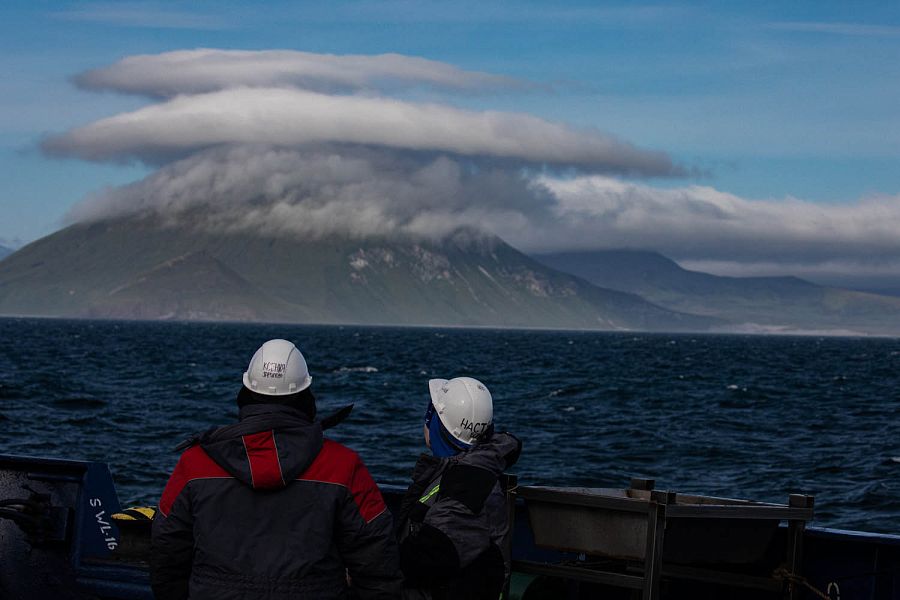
point(777, 304)
point(144, 269)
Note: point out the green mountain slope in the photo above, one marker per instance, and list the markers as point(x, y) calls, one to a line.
point(141, 269)
point(192, 286)
point(785, 303)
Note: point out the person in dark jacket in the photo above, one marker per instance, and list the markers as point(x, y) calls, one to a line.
point(453, 520)
point(267, 508)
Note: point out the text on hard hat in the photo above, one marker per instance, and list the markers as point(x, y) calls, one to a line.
point(475, 428)
point(273, 370)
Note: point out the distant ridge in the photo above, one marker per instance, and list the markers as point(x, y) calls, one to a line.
point(139, 268)
point(181, 288)
point(764, 303)
point(4, 252)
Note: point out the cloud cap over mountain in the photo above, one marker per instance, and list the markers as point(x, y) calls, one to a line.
point(361, 192)
point(295, 118)
point(209, 69)
point(211, 98)
point(315, 193)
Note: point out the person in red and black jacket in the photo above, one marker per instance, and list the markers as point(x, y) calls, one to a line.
point(269, 508)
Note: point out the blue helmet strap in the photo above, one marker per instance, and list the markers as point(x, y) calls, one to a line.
point(443, 445)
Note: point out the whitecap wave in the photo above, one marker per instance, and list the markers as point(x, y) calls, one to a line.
point(365, 369)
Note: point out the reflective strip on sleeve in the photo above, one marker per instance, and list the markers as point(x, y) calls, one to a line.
point(431, 493)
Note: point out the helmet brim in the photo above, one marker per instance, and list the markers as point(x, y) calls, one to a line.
point(435, 386)
point(249, 386)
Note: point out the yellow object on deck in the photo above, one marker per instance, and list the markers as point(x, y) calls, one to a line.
point(136, 513)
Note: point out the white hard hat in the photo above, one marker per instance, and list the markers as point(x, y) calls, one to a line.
point(277, 369)
point(464, 406)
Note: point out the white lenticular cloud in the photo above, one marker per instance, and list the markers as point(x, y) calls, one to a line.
point(208, 70)
point(293, 118)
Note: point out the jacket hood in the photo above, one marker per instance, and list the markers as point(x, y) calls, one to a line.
point(496, 454)
point(271, 445)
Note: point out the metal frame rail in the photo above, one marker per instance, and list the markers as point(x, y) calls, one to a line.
point(660, 508)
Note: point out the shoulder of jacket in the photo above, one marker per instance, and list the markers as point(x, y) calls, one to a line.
point(468, 484)
point(428, 468)
point(194, 464)
point(497, 454)
point(335, 463)
point(338, 451)
point(510, 448)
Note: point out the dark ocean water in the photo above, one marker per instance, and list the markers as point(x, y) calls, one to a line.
point(741, 416)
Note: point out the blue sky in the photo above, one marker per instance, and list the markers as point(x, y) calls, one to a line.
point(765, 100)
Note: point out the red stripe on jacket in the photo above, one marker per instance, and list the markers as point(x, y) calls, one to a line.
point(342, 466)
point(335, 464)
point(265, 469)
point(194, 463)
